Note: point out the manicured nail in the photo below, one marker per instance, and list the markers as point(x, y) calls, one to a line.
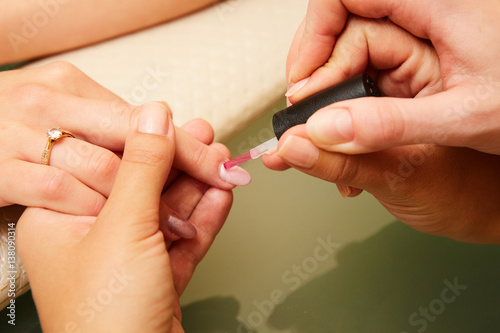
point(299, 152)
point(182, 228)
point(154, 119)
point(331, 126)
point(296, 87)
point(344, 190)
point(236, 175)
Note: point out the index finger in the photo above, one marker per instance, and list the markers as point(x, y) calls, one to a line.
point(326, 19)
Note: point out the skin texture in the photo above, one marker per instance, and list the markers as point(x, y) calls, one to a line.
point(115, 272)
point(87, 165)
point(71, 24)
point(465, 113)
point(445, 191)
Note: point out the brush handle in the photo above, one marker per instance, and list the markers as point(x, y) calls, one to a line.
point(356, 87)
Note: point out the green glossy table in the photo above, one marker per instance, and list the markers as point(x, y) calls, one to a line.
point(294, 256)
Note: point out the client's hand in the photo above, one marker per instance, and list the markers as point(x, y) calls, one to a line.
point(81, 170)
point(113, 273)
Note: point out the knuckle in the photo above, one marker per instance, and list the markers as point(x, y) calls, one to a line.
point(60, 70)
point(190, 257)
point(199, 156)
point(95, 205)
point(104, 164)
point(390, 124)
point(144, 157)
point(347, 169)
point(32, 95)
point(33, 98)
point(344, 169)
point(54, 185)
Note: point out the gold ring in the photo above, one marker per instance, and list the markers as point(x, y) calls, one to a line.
point(53, 135)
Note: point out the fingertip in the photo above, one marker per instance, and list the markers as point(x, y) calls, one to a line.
point(164, 104)
point(299, 152)
point(221, 148)
point(236, 176)
point(296, 87)
point(330, 126)
point(154, 118)
point(180, 227)
point(355, 192)
point(200, 129)
point(274, 162)
point(348, 191)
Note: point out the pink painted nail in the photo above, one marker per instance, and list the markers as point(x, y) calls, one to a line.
point(236, 175)
point(182, 228)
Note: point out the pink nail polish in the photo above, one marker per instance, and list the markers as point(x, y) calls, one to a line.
point(182, 228)
point(236, 175)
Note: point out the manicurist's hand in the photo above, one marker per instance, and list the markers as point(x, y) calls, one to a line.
point(81, 170)
point(465, 113)
point(444, 191)
point(115, 273)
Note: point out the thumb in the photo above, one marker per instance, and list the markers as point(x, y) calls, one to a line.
point(146, 163)
point(374, 124)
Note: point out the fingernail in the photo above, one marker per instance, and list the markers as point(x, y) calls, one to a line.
point(296, 87)
point(154, 119)
point(331, 126)
point(299, 152)
point(236, 175)
point(182, 228)
point(344, 190)
point(272, 151)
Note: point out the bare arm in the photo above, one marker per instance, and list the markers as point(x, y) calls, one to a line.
point(35, 28)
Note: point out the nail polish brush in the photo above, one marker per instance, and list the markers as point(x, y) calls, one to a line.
point(298, 113)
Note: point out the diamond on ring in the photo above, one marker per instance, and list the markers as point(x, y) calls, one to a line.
point(53, 135)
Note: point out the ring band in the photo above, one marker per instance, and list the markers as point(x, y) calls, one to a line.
point(53, 135)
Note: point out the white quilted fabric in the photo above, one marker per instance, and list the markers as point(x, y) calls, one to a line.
point(225, 64)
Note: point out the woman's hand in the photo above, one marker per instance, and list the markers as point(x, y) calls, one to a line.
point(444, 191)
point(34, 29)
point(465, 113)
point(82, 170)
point(113, 273)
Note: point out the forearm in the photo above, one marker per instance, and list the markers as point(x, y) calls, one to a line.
point(36, 28)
